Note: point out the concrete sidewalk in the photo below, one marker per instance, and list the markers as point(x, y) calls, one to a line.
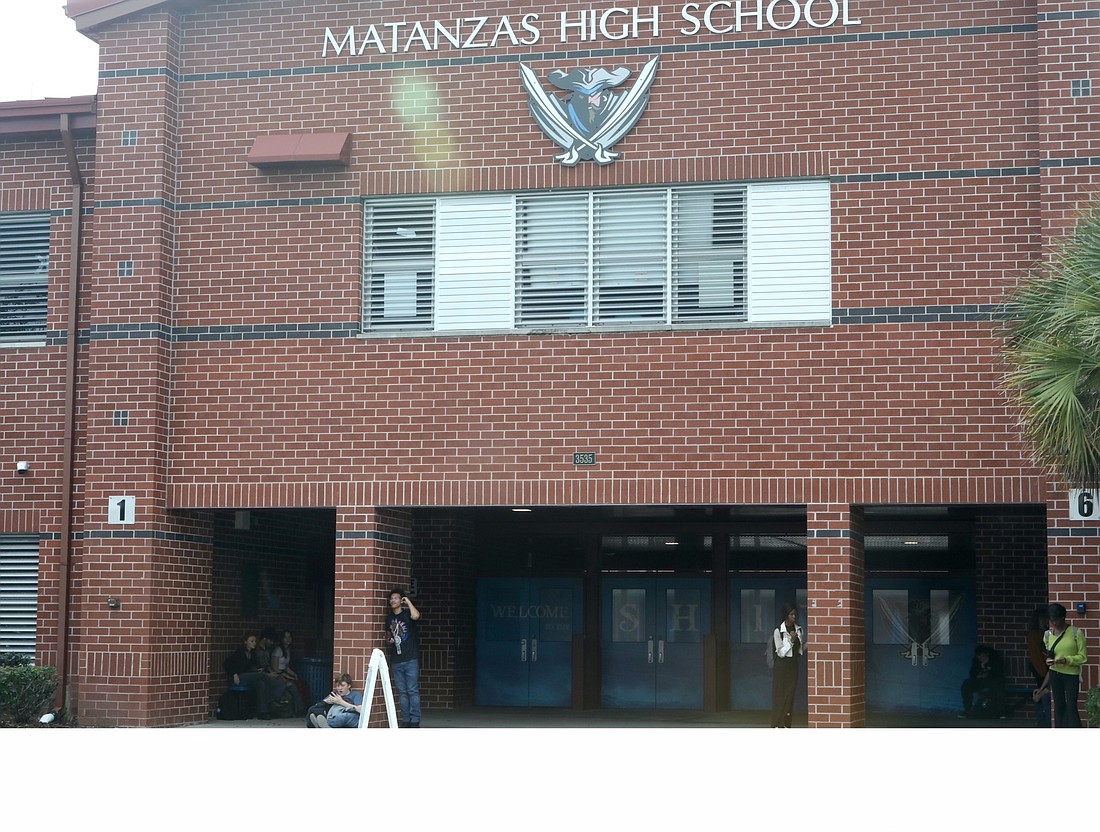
point(565, 718)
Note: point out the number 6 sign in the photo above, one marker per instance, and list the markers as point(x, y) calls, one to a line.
point(121, 510)
point(1082, 504)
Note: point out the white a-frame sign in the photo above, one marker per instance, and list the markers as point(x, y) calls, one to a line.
point(378, 669)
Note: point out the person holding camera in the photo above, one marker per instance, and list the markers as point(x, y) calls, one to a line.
point(1064, 646)
point(403, 641)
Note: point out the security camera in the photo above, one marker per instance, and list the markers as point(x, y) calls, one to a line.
point(22, 467)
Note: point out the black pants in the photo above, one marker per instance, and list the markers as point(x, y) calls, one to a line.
point(983, 699)
point(784, 683)
point(1063, 694)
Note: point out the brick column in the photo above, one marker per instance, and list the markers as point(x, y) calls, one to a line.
point(834, 619)
point(127, 657)
point(373, 555)
point(1073, 576)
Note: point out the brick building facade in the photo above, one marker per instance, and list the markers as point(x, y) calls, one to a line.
point(324, 305)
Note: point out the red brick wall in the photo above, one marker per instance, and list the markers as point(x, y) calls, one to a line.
point(442, 563)
point(950, 159)
point(1011, 581)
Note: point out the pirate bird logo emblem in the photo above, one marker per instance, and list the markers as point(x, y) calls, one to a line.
point(589, 119)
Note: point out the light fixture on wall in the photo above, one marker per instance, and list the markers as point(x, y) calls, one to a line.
point(22, 468)
point(114, 603)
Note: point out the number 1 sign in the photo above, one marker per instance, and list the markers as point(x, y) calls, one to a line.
point(121, 510)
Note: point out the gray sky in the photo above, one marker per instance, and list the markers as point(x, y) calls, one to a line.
point(41, 53)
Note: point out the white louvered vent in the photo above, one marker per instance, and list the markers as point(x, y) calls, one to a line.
point(18, 593)
point(24, 267)
point(630, 257)
point(709, 251)
point(790, 260)
point(552, 252)
point(399, 264)
point(475, 285)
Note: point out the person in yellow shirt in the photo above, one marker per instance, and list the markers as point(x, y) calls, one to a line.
point(1064, 645)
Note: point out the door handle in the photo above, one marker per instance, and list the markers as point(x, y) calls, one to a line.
point(534, 649)
point(661, 651)
point(649, 652)
point(523, 649)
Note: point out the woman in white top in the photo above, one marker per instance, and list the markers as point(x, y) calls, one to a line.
point(280, 665)
point(789, 642)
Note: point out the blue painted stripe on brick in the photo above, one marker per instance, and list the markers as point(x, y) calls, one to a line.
point(383, 537)
point(350, 329)
point(142, 534)
point(1082, 14)
point(931, 175)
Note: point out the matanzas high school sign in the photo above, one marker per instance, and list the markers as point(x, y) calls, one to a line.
point(588, 118)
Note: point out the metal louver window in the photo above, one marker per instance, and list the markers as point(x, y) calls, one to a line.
point(709, 255)
point(399, 265)
point(617, 257)
point(24, 266)
point(18, 593)
point(552, 240)
point(630, 256)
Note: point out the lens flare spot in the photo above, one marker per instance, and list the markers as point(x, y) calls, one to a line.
point(416, 102)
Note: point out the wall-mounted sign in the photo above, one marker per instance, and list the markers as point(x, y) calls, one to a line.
point(589, 119)
point(1083, 504)
point(120, 510)
point(719, 17)
point(585, 458)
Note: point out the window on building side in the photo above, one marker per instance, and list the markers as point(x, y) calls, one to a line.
point(627, 257)
point(400, 264)
point(24, 265)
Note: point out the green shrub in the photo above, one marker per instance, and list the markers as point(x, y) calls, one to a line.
point(1092, 707)
point(26, 692)
point(15, 660)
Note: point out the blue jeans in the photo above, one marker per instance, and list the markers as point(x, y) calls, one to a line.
point(343, 719)
point(406, 677)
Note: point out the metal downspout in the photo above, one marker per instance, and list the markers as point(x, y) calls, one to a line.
point(68, 454)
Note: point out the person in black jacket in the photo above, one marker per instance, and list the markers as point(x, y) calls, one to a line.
point(245, 667)
point(983, 691)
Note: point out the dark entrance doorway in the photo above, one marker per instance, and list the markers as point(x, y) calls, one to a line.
point(921, 634)
point(755, 604)
point(525, 630)
point(651, 641)
point(670, 606)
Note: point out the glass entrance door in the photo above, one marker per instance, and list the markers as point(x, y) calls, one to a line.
point(651, 639)
point(921, 635)
point(755, 605)
point(525, 629)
